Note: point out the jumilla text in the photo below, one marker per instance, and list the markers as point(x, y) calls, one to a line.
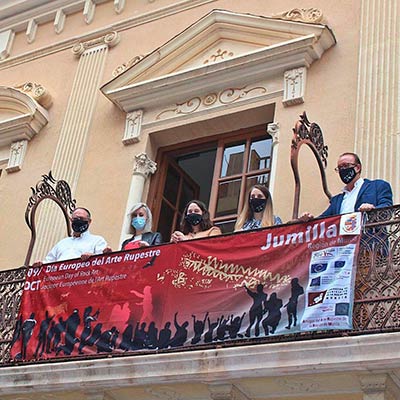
point(313, 232)
point(104, 260)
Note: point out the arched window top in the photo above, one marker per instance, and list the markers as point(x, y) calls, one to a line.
point(22, 115)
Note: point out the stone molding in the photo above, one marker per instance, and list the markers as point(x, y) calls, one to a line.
point(59, 14)
point(294, 86)
point(307, 359)
point(6, 42)
point(27, 118)
point(133, 126)
point(129, 91)
point(110, 39)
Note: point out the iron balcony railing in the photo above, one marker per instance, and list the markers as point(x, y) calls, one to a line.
point(377, 289)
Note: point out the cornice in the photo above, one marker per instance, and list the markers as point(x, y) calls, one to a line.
point(258, 65)
point(356, 354)
point(118, 26)
point(40, 11)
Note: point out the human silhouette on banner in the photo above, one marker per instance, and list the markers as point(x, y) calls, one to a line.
point(256, 310)
point(291, 305)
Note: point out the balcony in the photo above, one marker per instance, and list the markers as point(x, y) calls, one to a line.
point(359, 363)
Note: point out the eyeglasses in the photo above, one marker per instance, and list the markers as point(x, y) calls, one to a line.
point(344, 166)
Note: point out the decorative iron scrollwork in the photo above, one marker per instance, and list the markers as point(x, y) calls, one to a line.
point(305, 130)
point(49, 187)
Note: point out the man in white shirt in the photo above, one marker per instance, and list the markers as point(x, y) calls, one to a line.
point(81, 244)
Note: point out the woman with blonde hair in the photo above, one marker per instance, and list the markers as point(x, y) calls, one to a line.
point(257, 211)
point(141, 223)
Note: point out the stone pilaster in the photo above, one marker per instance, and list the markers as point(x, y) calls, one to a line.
point(74, 132)
point(273, 129)
point(377, 129)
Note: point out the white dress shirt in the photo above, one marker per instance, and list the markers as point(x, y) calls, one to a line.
point(350, 197)
point(74, 247)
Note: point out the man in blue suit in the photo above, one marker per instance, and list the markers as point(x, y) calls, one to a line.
point(358, 194)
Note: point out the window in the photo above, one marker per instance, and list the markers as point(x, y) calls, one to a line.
point(218, 172)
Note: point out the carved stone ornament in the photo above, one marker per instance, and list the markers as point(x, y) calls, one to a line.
point(37, 92)
point(133, 125)
point(50, 187)
point(111, 39)
point(17, 154)
point(226, 96)
point(273, 129)
point(121, 68)
point(310, 15)
point(220, 55)
point(294, 86)
point(143, 165)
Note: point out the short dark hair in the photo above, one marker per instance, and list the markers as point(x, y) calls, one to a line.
point(85, 209)
point(356, 158)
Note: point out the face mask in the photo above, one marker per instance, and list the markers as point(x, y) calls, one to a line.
point(257, 205)
point(139, 222)
point(193, 219)
point(79, 226)
point(347, 174)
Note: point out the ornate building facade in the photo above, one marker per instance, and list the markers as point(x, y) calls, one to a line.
point(161, 101)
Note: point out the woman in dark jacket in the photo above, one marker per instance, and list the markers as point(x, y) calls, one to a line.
point(141, 222)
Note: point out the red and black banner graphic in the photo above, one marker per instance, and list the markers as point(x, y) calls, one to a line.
point(272, 281)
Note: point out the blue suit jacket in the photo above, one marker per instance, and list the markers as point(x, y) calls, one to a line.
point(377, 192)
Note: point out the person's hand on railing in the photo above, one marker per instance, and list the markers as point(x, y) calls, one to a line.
point(366, 207)
point(177, 236)
point(86, 256)
point(107, 249)
point(305, 217)
point(37, 264)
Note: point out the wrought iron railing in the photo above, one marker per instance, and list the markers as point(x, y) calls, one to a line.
point(377, 288)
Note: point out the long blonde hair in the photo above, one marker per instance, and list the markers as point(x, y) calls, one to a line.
point(247, 212)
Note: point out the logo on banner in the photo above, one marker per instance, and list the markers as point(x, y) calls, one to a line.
point(315, 298)
point(350, 224)
point(318, 268)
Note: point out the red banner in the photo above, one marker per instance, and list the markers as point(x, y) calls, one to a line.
point(272, 281)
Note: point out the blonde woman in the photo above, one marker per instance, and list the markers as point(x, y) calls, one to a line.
point(257, 211)
point(141, 221)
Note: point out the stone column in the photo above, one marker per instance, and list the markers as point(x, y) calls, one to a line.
point(74, 133)
point(377, 128)
point(142, 169)
point(273, 129)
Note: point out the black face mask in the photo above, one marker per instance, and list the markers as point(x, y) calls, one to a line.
point(193, 219)
point(347, 174)
point(79, 226)
point(257, 205)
